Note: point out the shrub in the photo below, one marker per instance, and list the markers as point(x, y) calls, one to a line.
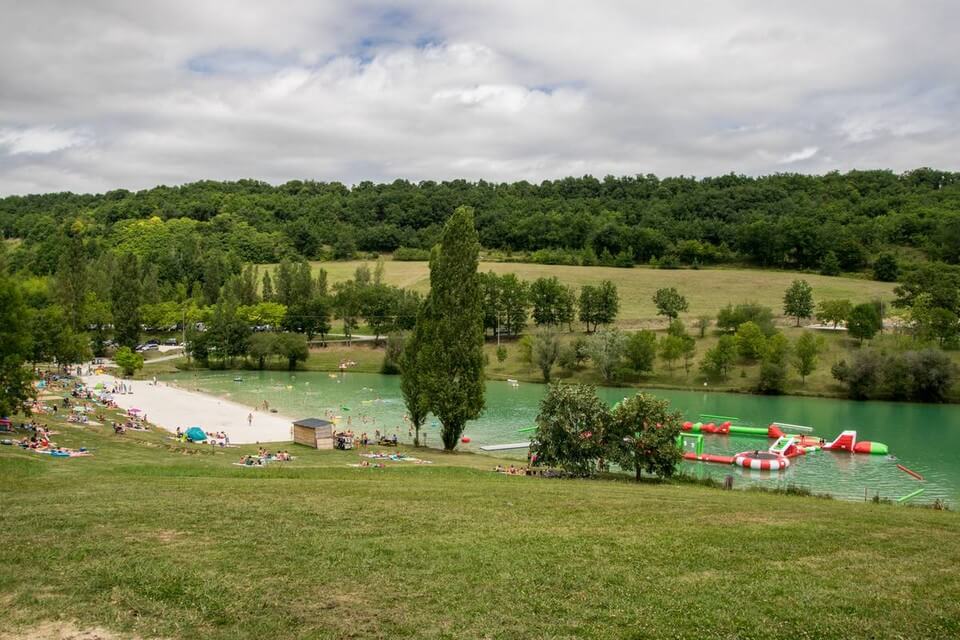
point(410, 254)
point(731, 317)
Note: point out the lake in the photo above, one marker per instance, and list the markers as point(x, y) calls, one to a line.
point(925, 438)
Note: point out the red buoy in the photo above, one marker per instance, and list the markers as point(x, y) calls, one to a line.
point(465, 439)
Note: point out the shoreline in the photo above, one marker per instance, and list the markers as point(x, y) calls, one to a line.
point(501, 377)
point(169, 406)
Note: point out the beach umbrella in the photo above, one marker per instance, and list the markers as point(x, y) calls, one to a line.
point(196, 434)
point(133, 410)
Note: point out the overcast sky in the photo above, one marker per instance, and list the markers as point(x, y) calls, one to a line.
point(96, 95)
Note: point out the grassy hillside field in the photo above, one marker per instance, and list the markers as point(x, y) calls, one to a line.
point(707, 290)
point(157, 539)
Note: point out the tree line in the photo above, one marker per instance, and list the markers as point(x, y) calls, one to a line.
point(831, 222)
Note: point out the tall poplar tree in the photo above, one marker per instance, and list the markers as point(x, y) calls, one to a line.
point(411, 383)
point(451, 320)
point(125, 293)
point(72, 276)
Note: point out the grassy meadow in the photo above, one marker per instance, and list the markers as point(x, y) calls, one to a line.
point(707, 290)
point(162, 540)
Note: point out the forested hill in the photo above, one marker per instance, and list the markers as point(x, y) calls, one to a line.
point(784, 220)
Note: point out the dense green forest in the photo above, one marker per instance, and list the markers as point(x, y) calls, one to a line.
point(830, 222)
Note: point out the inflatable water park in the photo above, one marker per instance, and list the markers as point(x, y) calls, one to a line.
point(790, 441)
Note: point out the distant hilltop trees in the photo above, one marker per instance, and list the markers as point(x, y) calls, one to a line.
point(835, 222)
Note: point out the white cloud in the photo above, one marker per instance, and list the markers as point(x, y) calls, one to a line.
point(803, 154)
point(39, 139)
point(112, 94)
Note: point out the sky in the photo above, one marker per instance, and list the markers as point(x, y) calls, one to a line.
point(106, 94)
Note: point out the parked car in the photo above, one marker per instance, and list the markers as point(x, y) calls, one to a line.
point(171, 342)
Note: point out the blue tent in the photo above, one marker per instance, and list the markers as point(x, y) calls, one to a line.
point(196, 434)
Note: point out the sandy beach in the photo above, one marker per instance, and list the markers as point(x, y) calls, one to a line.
point(170, 407)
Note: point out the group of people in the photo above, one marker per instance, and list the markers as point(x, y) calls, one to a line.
point(40, 438)
point(263, 457)
point(512, 470)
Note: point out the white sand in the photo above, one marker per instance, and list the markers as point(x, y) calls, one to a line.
point(171, 407)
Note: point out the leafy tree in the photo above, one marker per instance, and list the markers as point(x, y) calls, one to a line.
point(451, 319)
point(514, 303)
point(750, 341)
point(933, 375)
point(228, 332)
point(125, 294)
point(773, 378)
point(718, 359)
point(267, 288)
point(599, 304)
point(589, 295)
point(16, 386)
point(671, 349)
point(830, 265)
point(703, 323)
point(941, 282)
point(293, 347)
point(501, 354)
point(864, 322)
point(833, 311)
point(261, 346)
point(798, 300)
point(606, 349)
point(567, 307)
point(641, 351)
point(805, 352)
point(72, 276)
point(363, 276)
point(731, 317)
point(411, 383)
point(345, 247)
point(776, 349)
point(677, 328)
point(546, 350)
point(263, 314)
point(128, 361)
point(378, 306)
point(688, 353)
point(98, 317)
point(570, 426)
point(886, 268)
point(347, 306)
point(506, 301)
point(862, 376)
point(547, 297)
point(669, 302)
point(645, 439)
point(198, 346)
point(393, 354)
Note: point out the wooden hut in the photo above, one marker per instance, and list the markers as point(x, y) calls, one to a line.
point(313, 432)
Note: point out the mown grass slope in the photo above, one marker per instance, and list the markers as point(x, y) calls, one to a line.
point(707, 290)
point(165, 541)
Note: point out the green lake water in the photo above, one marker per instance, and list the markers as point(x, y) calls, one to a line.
point(925, 438)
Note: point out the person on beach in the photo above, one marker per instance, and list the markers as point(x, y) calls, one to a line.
point(249, 419)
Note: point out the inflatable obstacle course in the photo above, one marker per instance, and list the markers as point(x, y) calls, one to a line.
point(790, 440)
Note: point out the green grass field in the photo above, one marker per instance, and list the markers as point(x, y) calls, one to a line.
point(157, 539)
point(707, 290)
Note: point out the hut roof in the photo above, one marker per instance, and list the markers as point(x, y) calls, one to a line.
point(313, 423)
